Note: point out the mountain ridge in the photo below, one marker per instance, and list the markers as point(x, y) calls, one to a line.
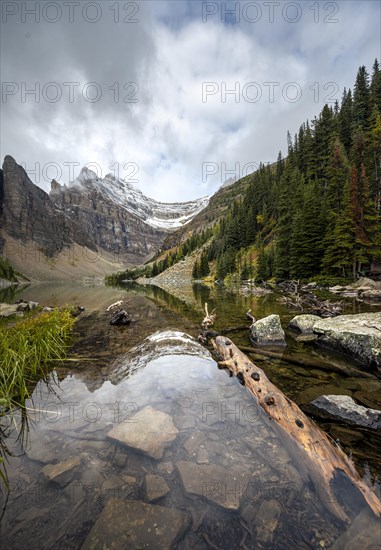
point(164, 215)
point(111, 219)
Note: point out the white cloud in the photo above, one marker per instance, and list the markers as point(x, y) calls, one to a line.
point(171, 132)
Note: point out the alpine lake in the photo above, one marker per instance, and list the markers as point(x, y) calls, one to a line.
point(139, 440)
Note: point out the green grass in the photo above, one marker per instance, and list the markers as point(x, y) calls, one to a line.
point(28, 348)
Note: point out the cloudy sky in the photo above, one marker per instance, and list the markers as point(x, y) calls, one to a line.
point(141, 89)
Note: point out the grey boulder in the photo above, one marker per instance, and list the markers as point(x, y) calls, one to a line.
point(304, 323)
point(268, 332)
point(359, 336)
point(345, 408)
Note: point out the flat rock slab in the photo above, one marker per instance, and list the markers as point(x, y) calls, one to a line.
point(136, 525)
point(61, 473)
point(150, 431)
point(344, 407)
point(211, 482)
point(156, 487)
point(356, 335)
point(193, 442)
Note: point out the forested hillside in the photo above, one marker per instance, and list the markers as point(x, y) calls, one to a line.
point(318, 210)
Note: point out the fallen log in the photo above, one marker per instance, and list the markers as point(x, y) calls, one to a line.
point(323, 458)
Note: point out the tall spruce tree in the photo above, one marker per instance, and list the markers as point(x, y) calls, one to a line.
point(345, 120)
point(361, 99)
point(375, 86)
point(373, 155)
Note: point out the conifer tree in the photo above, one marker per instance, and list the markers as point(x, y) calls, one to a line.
point(323, 135)
point(345, 120)
point(262, 267)
point(289, 182)
point(204, 269)
point(361, 99)
point(245, 273)
point(196, 270)
point(375, 86)
point(374, 157)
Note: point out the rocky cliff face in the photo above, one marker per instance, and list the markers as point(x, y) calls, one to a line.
point(28, 214)
point(99, 214)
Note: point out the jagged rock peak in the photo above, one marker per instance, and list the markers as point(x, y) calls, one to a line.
point(11, 166)
point(55, 186)
point(87, 174)
point(9, 160)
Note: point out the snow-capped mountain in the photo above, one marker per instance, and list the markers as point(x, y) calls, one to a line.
point(118, 217)
point(165, 216)
point(92, 225)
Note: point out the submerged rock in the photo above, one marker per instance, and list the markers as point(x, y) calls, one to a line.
point(356, 335)
point(346, 408)
point(364, 532)
point(267, 520)
point(212, 482)
point(268, 332)
point(61, 473)
point(120, 317)
point(136, 525)
point(149, 431)
point(156, 487)
point(40, 447)
point(165, 468)
point(304, 323)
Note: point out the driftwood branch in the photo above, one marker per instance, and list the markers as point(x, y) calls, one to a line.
point(250, 316)
point(322, 459)
point(209, 318)
point(117, 304)
point(312, 304)
point(114, 305)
